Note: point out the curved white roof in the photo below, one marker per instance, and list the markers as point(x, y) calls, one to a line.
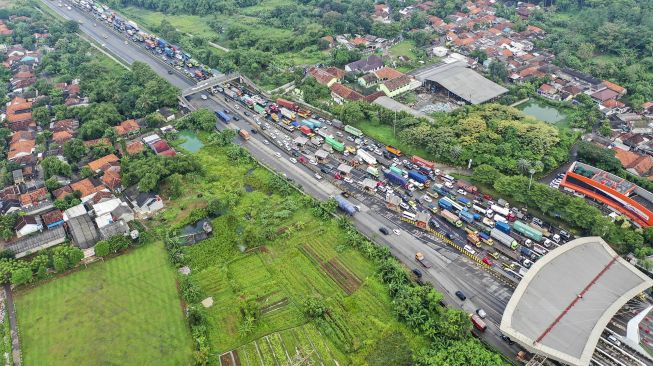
point(567, 298)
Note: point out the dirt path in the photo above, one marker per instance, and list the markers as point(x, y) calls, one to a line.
point(15, 343)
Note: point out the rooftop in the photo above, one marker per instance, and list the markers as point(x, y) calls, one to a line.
point(393, 105)
point(563, 303)
point(462, 81)
point(83, 230)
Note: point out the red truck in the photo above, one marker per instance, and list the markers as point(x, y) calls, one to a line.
point(287, 104)
point(422, 162)
point(478, 322)
point(467, 186)
point(306, 131)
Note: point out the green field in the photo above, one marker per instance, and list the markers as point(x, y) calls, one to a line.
point(384, 133)
point(124, 311)
point(303, 257)
point(403, 48)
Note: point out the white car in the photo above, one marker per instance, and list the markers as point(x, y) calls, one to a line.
point(277, 154)
point(427, 199)
point(317, 176)
point(396, 231)
point(461, 192)
point(348, 180)
point(312, 162)
point(293, 160)
point(339, 133)
point(237, 106)
point(266, 142)
point(204, 97)
point(481, 313)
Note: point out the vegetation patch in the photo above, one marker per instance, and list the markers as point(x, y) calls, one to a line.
point(122, 311)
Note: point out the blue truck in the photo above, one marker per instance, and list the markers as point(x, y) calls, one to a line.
point(445, 204)
point(169, 52)
point(464, 201)
point(466, 216)
point(348, 207)
point(484, 236)
point(161, 43)
point(412, 174)
point(395, 178)
point(527, 253)
point(308, 123)
point(224, 117)
point(503, 227)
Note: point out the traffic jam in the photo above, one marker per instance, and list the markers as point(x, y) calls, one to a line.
point(169, 53)
point(505, 238)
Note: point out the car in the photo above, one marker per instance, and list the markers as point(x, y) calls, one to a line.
point(105, 36)
point(277, 154)
point(461, 192)
point(254, 131)
point(236, 118)
point(507, 339)
point(348, 180)
point(325, 170)
point(312, 162)
point(293, 160)
point(527, 263)
point(481, 313)
point(338, 133)
point(170, 72)
point(247, 114)
point(237, 106)
point(417, 273)
point(494, 255)
point(266, 142)
point(404, 206)
point(226, 110)
point(384, 230)
point(412, 204)
point(427, 199)
point(487, 261)
point(396, 231)
point(614, 340)
point(565, 235)
point(449, 236)
point(350, 139)
point(317, 176)
point(204, 97)
point(126, 42)
point(537, 221)
point(461, 295)
point(69, 8)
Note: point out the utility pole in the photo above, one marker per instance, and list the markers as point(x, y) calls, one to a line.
point(531, 171)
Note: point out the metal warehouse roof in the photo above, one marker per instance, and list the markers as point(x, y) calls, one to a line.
point(567, 298)
point(462, 81)
point(393, 105)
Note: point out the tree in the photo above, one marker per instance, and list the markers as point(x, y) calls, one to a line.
point(53, 166)
point(199, 120)
point(153, 120)
point(21, 276)
point(175, 183)
point(486, 174)
point(52, 183)
point(498, 71)
point(74, 150)
point(41, 116)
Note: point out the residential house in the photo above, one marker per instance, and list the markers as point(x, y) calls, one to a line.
point(88, 187)
point(104, 163)
point(19, 114)
point(68, 125)
point(115, 228)
point(111, 178)
point(161, 147)
point(26, 225)
point(621, 91)
point(20, 149)
point(612, 106)
point(398, 86)
point(83, 231)
point(52, 219)
point(74, 211)
point(127, 127)
point(326, 76)
point(61, 137)
point(368, 80)
point(34, 199)
point(144, 203)
point(167, 114)
point(548, 91)
point(637, 164)
point(95, 142)
point(371, 63)
point(340, 93)
point(604, 95)
point(135, 147)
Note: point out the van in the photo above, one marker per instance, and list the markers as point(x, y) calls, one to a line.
point(614, 340)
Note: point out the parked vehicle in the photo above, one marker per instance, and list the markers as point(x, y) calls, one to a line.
point(348, 207)
point(353, 130)
point(223, 116)
point(504, 239)
point(244, 134)
point(393, 150)
point(527, 231)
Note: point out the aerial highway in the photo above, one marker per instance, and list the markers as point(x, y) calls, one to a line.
point(450, 272)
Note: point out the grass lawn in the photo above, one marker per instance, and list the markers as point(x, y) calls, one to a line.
point(384, 133)
point(278, 274)
point(124, 311)
point(403, 48)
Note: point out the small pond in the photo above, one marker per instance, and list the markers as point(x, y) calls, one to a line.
point(191, 143)
point(542, 112)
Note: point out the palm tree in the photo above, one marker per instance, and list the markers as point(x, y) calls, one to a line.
point(538, 166)
point(455, 152)
point(523, 165)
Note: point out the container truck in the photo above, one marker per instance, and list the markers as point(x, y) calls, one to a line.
point(308, 123)
point(223, 116)
point(504, 238)
point(466, 216)
point(499, 218)
point(306, 131)
point(473, 239)
point(287, 104)
point(373, 171)
point(366, 157)
point(353, 130)
point(345, 205)
point(412, 174)
point(335, 144)
point(258, 109)
point(527, 231)
point(500, 210)
point(446, 204)
point(393, 150)
point(395, 178)
point(503, 226)
point(420, 258)
point(244, 134)
point(456, 206)
point(398, 171)
point(288, 113)
point(316, 123)
point(422, 162)
point(466, 186)
point(323, 134)
point(452, 218)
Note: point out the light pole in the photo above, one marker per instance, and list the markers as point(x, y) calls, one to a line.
point(531, 171)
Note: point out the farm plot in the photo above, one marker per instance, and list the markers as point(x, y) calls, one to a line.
point(335, 270)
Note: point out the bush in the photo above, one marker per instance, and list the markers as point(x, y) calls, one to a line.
point(102, 248)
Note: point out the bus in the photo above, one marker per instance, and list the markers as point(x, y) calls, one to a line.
point(448, 178)
point(408, 215)
point(478, 322)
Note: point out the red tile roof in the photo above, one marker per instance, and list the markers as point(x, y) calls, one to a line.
point(104, 162)
point(125, 127)
point(387, 73)
point(86, 187)
point(52, 217)
point(32, 198)
point(548, 89)
point(135, 147)
point(613, 103)
point(614, 87)
point(61, 136)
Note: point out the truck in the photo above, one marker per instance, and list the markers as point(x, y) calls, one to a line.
point(306, 131)
point(486, 238)
point(452, 218)
point(412, 174)
point(456, 206)
point(422, 162)
point(473, 239)
point(393, 150)
point(466, 216)
point(323, 134)
point(288, 114)
point(366, 157)
point(258, 109)
point(500, 210)
point(527, 231)
point(527, 253)
point(335, 144)
point(398, 171)
point(478, 322)
point(423, 261)
point(287, 104)
point(446, 204)
point(464, 201)
point(395, 178)
point(224, 117)
point(540, 250)
point(353, 130)
point(316, 123)
point(503, 226)
point(348, 207)
point(504, 238)
point(466, 186)
point(308, 123)
point(244, 134)
point(373, 171)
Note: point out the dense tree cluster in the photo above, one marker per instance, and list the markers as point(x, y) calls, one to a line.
point(148, 172)
point(19, 272)
point(489, 134)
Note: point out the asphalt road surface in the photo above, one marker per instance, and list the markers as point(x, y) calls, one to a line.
point(450, 272)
